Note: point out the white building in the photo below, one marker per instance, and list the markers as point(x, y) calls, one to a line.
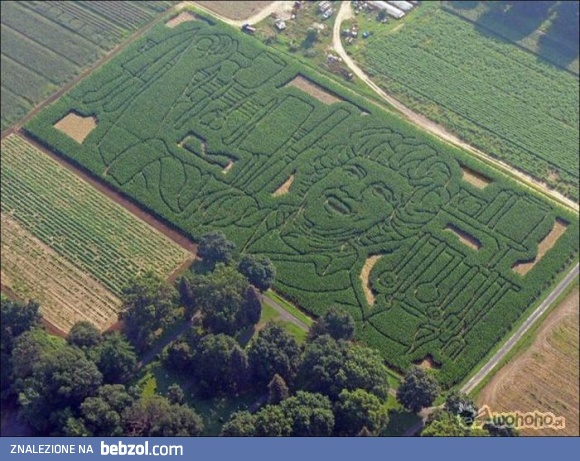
point(390, 9)
point(402, 5)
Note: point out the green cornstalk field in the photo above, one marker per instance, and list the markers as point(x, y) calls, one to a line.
point(180, 105)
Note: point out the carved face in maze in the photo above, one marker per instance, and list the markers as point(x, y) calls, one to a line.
point(364, 202)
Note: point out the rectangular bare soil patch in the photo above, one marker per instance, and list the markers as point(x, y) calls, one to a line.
point(523, 267)
point(313, 89)
point(475, 178)
point(464, 237)
point(185, 16)
point(76, 126)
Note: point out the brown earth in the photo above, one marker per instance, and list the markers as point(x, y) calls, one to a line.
point(180, 18)
point(284, 188)
point(464, 237)
point(544, 378)
point(235, 10)
point(474, 178)
point(365, 277)
point(228, 167)
point(76, 126)
point(428, 363)
point(549, 241)
point(314, 90)
point(66, 294)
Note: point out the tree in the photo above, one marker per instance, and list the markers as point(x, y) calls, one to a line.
point(155, 417)
point(272, 421)
point(239, 369)
point(329, 366)
point(228, 304)
point(259, 271)
point(84, 334)
point(500, 430)
point(212, 365)
point(335, 322)
point(102, 414)
point(442, 423)
point(117, 358)
point(57, 380)
point(16, 317)
point(357, 410)
point(310, 414)
point(149, 306)
point(461, 405)
point(179, 357)
point(418, 390)
point(241, 424)
point(382, 16)
point(273, 351)
point(277, 390)
point(215, 248)
point(175, 394)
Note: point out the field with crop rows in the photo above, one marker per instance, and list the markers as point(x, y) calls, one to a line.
point(199, 124)
point(46, 43)
point(499, 98)
point(79, 223)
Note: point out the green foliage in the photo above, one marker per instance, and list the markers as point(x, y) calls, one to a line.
point(516, 92)
point(16, 317)
point(218, 364)
point(149, 305)
point(227, 303)
point(418, 390)
point(363, 186)
point(117, 358)
point(330, 366)
point(336, 323)
point(273, 351)
point(215, 248)
point(84, 334)
point(156, 417)
point(102, 414)
point(359, 411)
point(277, 390)
point(259, 271)
point(241, 424)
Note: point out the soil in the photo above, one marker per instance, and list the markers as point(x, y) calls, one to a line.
point(549, 241)
point(180, 18)
point(235, 10)
point(314, 90)
point(65, 292)
point(474, 178)
point(228, 167)
point(428, 363)
point(284, 188)
point(464, 237)
point(546, 376)
point(365, 277)
point(76, 126)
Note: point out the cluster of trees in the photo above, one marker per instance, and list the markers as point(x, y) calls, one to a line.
point(77, 386)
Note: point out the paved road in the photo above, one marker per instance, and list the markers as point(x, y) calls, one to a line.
point(489, 366)
point(287, 316)
point(345, 12)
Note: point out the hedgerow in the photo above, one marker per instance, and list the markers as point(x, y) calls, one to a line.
point(179, 103)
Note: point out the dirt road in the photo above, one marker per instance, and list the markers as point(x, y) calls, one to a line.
point(344, 13)
point(274, 7)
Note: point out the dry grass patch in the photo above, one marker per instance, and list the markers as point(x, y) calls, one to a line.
point(76, 126)
point(228, 167)
point(474, 178)
point(365, 277)
point(548, 242)
point(464, 237)
point(428, 363)
point(314, 90)
point(285, 187)
point(185, 16)
point(235, 10)
point(66, 294)
point(545, 378)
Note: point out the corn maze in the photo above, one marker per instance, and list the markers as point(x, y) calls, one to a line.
point(199, 125)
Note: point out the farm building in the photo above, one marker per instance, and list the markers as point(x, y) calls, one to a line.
point(390, 9)
point(402, 5)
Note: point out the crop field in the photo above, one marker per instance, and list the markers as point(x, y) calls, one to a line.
point(545, 377)
point(180, 105)
point(65, 216)
point(498, 97)
point(46, 43)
